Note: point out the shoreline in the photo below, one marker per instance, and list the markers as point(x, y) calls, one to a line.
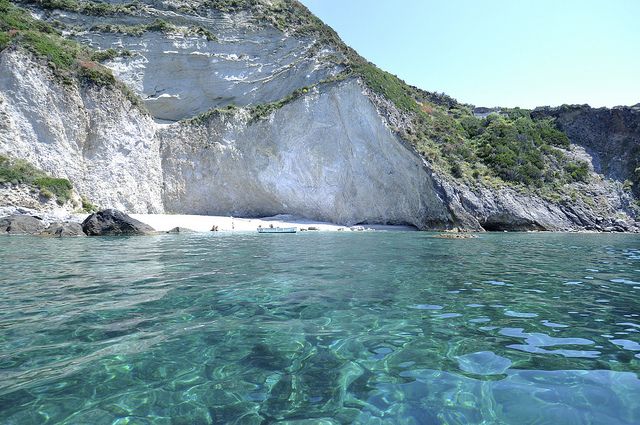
point(230, 224)
point(205, 223)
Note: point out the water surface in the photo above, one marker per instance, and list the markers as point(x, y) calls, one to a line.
point(333, 328)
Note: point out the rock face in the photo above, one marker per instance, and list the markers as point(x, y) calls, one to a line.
point(113, 223)
point(29, 197)
point(249, 64)
point(328, 156)
point(63, 229)
point(332, 152)
point(21, 225)
point(91, 135)
point(610, 136)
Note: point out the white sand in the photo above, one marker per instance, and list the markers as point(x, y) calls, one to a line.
point(204, 223)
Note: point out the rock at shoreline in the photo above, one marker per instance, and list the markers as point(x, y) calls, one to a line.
point(455, 236)
point(21, 225)
point(114, 223)
point(181, 230)
point(63, 229)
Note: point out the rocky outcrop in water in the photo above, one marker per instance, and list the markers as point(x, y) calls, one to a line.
point(21, 225)
point(114, 223)
point(63, 229)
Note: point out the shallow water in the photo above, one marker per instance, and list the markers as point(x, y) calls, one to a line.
point(369, 328)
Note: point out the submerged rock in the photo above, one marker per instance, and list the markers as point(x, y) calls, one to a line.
point(113, 223)
point(63, 229)
point(455, 236)
point(180, 230)
point(21, 225)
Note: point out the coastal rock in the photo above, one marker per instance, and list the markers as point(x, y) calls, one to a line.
point(251, 64)
point(114, 223)
point(327, 156)
point(179, 230)
point(28, 197)
point(610, 136)
point(21, 225)
point(91, 135)
point(326, 148)
point(63, 229)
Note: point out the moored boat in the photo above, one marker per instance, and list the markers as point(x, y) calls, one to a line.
point(277, 229)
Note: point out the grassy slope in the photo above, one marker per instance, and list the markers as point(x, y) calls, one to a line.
point(21, 172)
point(18, 171)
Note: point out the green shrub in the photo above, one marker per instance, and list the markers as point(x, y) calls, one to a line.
point(5, 39)
point(456, 170)
point(160, 25)
point(61, 188)
point(508, 148)
point(87, 7)
point(90, 72)
point(108, 54)
point(231, 5)
point(49, 47)
point(577, 171)
point(47, 194)
point(88, 206)
point(472, 126)
point(21, 172)
point(386, 84)
point(550, 134)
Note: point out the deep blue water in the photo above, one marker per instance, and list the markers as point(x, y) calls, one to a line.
point(367, 328)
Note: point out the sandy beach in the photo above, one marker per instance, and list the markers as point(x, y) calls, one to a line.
point(204, 223)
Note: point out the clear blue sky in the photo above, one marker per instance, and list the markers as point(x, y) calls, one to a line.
point(500, 52)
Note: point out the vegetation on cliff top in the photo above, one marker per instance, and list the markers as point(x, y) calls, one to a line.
point(68, 59)
point(158, 25)
point(16, 171)
point(92, 8)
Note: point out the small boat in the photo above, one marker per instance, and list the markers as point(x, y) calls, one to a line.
point(277, 229)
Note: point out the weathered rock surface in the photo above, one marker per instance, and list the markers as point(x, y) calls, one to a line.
point(63, 229)
point(328, 156)
point(90, 135)
point(602, 203)
point(21, 225)
point(610, 136)
point(29, 197)
point(114, 223)
point(177, 230)
point(331, 154)
point(250, 65)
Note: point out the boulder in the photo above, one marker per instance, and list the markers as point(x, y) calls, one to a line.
point(63, 229)
point(21, 225)
point(113, 223)
point(180, 230)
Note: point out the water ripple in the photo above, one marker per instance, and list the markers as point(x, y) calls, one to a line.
point(333, 328)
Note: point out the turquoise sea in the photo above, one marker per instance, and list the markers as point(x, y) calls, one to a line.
point(321, 328)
